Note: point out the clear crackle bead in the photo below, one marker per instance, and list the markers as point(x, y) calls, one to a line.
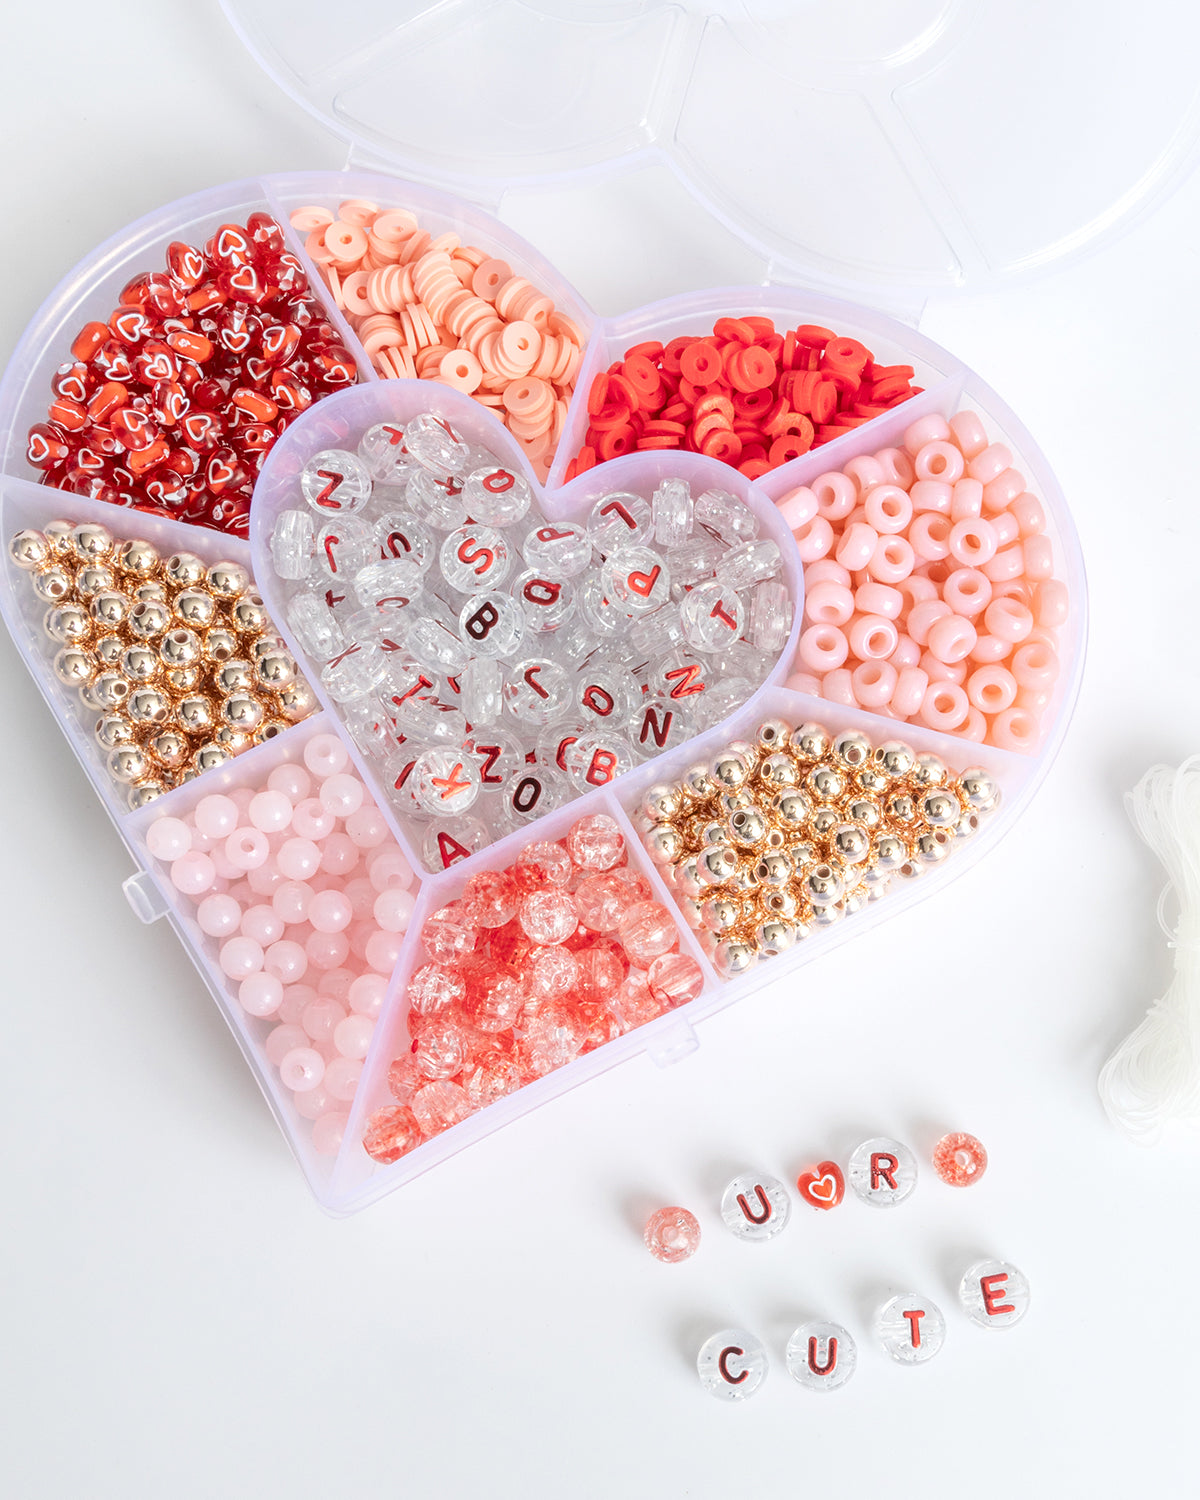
point(496, 496)
point(562, 548)
point(334, 482)
point(491, 624)
point(755, 1207)
point(713, 615)
point(293, 541)
point(910, 1328)
point(821, 1356)
point(474, 558)
point(436, 444)
point(732, 1364)
point(671, 510)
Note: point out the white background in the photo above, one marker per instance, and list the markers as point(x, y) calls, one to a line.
point(180, 1320)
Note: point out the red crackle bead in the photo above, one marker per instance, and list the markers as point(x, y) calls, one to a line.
point(822, 1186)
point(552, 1038)
point(959, 1159)
point(548, 916)
point(596, 843)
point(674, 979)
point(600, 900)
point(490, 898)
point(542, 863)
point(439, 1105)
point(391, 1133)
point(448, 934)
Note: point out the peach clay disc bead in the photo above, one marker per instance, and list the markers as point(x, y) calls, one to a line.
point(959, 1159)
point(672, 1235)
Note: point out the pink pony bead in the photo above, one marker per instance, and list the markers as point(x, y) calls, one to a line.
point(857, 546)
point(874, 683)
point(909, 693)
point(1007, 565)
point(1014, 729)
point(822, 648)
point(873, 638)
point(1031, 517)
point(972, 542)
point(866, 472)
point(968, 592)
point(836, 496)
point(989, 464)
point(1035, 665)
point(999, 493)
point(838, 687)
point(989, 649)
point(966, 500)
point(1006, 527)
point(916, 588)
point(888, 509)
point(804, 682)
point(929, 536)
point(798, 507)
point(931, 495)
point(892, 561)
point(1039, 558)
point(1009, 619)
point(939, 459)
point(1050, 603)
point(930, 429)
point(974, 726)
point(951, 638)
point(828, 603)
point(938, 670)
point(969, 433)
point(991, 689)
point(922, 616)
point(325, 755)
point(897, 467)
point(826, 570)
point(878, 599)
point(906, 654)
point(813, 539)
point(944, 706)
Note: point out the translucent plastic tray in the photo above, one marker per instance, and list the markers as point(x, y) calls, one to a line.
point(351, 1179)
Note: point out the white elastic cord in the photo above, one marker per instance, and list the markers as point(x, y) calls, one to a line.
point(1154, 1075)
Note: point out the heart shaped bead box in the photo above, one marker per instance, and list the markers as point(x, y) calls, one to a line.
point(402, 982)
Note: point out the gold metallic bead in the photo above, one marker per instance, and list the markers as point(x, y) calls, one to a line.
point(851, 843)
point(664, 843)
point(932, 846)
point(775, 936)
point(967, 826)
point(74, 668)
point(866, 811)
point(929, 771)
point(823, 884)
point(180, 647)
point(684, 875)
point(129, 764)
point(94, 579)
point(262, 645)
point(772, 735)
point(939, 808)
point(67, 624)
point(826, 916)
point(889, 853)
point(169, 749)
point(137, 558)
point(825, 783)
point(194, 715)
point(58, 537)
point(109, 651)
point(92, 543)
point(779, 770)
point(743, 879)
point(113, 730)
point(871, 781)
point(775, 867)
point(729, 771)
point(185, 570)
point(183, 682)
point(52, 582)
point(269, 729)
point(296, 701)
point(243, 712)
point(746, 827)
point(276, 670)
point(209, 757)
point(111, 690)
point(779, 901)
point(141, 664)
point(661, 802)
point(823, 820)
point(852, 750)
point(696, 783)
point(143, 795)
point(810, 743)
point(29, 549)
point(230, 739)
point(220, 644)
point(184, 775)
point(152, 591)
point(248, 613)
point(716, 864)
point(854, 901)
point(791, 809)
point(147, 705)
point(912, 869)
point(894, 759)
point(195, 608)
point(901, 808)
point(148, 619)
point(233, 676)
point(227, 580)
point(978, 789)
point(732, 956)
point(722, 913)
point(110, 608)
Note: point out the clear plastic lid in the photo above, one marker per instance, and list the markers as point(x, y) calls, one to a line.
point(879, 145)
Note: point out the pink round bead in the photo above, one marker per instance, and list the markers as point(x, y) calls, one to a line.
point(672, 1235)
point(991, 689)
point(892, 560)
point(928, 429)
point(966, 502)
point(888, 509)
point(836, 495)
point(295, 998)
point(366, 995)
point(393, 909)
point(388, 866)
point(312, 820)
point(335, 984)
point(260, 994)
point(339, 855)
point(325, 755)
point(283, 1039)
point(329, 911)
point(813, 539)
point(264, 880)
point(939, 459)
point(169, 839)
point(342, 794)
point(857, 546)
point(290, 900)
point(240, 957)
point(352, 1037)
point(292, 780)
point(219, 916)
point(822, 648)
point(327, 950)
point(838, 687)
point(911, 686)
point(263, 924)
point(367, 827)
point(301, 1069)
point(311, 1104)
point(193, 873)
point(973, 542)
point(216, 815)
point(223, 865)
point(329, 1131)
point(951, 638)
point(383, 951)
point(271, 812)
point(298, 859)
point(798, 507)
point(1014, 729)
point(969, 433)
point(247, 848)
point(944, 706)
point(968, 592)
point(286, 960)
point(320, 1018)
point(873, 638)
point(874, 683)
point(828, 603)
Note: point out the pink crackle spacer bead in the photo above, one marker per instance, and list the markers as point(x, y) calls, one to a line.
point(959, 1159)
point(672, 1235)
